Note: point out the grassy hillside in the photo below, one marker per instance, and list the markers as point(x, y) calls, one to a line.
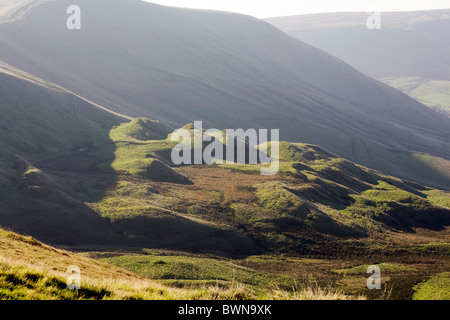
point(315, 191)
point(402, 273)
point(31, 270)
point(433, 93)
point(435, 288)
point(137, 198)
point(89, 183)
point(230, 71)
point(106, 183)
point(41, 120)
point(44, 126)
point(142, 149)
point(220, 219)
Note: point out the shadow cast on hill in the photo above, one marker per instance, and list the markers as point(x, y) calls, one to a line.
point(57, 201)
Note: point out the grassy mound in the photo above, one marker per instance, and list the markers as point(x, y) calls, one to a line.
point(145, 129)
point(142, 149)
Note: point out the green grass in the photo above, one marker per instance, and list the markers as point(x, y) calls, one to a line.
point(142, 129)
point(190, 272)
point(287, 151)
point(186, 268)
point(436, 288)
point(320, 167)
point(284, 167)
point(19, 282)
point(276, 199)
point(388, 268)
point(31, 270)
point(384, 199)
point(274, 202)
point(384, 194)
point(438, 248)
point(396, 195)
point(135, 155)
point(433, 93)
point(291, 154)
point(439, 197)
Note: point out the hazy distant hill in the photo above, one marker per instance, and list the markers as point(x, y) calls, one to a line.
point(231, 71)
point(411, 52)
point(408, 44)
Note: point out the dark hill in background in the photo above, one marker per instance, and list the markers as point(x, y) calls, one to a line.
point(230, 71)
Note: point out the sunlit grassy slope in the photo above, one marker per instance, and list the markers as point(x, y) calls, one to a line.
point(31, 270)
point(142, 148)
point(314, 190)
point(319, 204)
point(126, 191)
point(435, 288)
point(433, 93)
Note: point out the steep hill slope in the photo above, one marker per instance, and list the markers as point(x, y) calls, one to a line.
point(414, 44)
point(57, 158)
point(411, 51)
point(92, 183)
point(42, 121)
point(31, 270)
point(230, 71)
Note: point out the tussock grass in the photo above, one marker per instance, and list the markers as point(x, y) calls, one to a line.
point(436, 287)
point(30, 270)
point(315, 293)
point(242, 282)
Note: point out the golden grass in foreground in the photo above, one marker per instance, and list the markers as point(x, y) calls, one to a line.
point(33, 271)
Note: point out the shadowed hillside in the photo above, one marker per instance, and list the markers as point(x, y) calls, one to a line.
point(230, 71)
point(42, 122)
point(58, 159)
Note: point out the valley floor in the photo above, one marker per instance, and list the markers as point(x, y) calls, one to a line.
point(418, 270)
